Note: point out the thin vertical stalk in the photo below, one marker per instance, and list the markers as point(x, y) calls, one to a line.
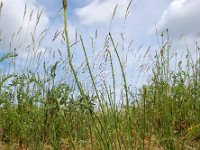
point(69, 51)
point(123, 73)
point(113, 78)
point(126, 92)
point(144, 119)
point(90, 72)
point(70, 59)
point(93, 83)
point(74, 72)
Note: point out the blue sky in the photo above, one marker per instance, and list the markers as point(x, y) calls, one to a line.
point(87, 16)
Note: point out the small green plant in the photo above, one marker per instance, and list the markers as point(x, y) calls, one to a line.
point(43, 109)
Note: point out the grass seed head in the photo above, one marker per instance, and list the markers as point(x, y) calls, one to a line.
point(64, 4)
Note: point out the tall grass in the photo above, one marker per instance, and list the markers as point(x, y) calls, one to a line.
point(39, 111)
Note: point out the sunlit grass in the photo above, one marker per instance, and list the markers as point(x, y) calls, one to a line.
point(38, 111)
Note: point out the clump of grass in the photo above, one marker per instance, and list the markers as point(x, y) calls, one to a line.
point(39, 111)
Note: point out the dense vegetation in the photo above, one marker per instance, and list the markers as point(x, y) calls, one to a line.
point(38, 111)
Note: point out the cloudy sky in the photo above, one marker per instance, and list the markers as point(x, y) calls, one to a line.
point(180, 16)
point(87, 16)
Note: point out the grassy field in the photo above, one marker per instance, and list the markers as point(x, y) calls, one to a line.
point(39, 112)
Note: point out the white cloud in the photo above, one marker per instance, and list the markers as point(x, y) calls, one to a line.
point(11, 21)
point(182, 16)
point(182, 20)
point(101, 11)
